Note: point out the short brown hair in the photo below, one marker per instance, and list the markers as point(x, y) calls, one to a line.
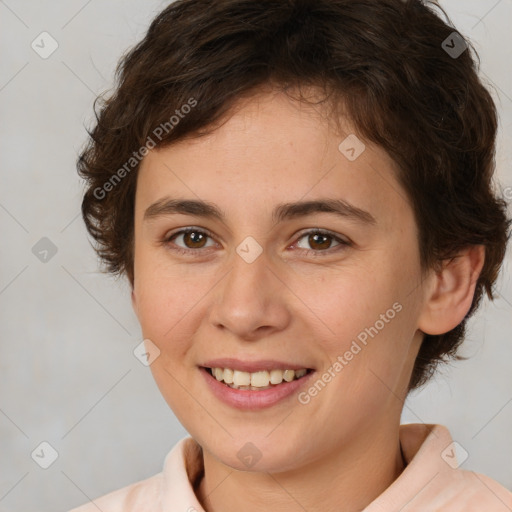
point(385, 61)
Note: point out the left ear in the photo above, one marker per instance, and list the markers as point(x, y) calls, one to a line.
point(452, 291)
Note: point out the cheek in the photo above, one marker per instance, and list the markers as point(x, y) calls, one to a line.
point(345, 302)
point(170, 300)
point(163, 305)
point(364, 320)
point(162, 297)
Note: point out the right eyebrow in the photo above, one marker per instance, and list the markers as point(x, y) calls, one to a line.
point(167, 206)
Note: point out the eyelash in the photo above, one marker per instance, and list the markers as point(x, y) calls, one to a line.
point(197, 252)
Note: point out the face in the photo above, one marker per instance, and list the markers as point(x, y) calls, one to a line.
point(299, 255)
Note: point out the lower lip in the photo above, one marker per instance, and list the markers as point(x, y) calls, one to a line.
point(253, 400)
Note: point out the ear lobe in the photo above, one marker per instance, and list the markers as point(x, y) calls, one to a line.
point(451, 296)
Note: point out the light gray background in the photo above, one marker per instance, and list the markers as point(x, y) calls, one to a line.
point(68, 373)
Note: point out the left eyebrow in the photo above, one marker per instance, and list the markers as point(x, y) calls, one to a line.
point(337, 206)
point(282, 212)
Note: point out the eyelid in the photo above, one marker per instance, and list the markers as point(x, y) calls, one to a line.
point(322, 231)
point(167, 239)
point(341, 241)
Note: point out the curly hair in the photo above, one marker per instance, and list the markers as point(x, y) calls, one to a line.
point(387, 63)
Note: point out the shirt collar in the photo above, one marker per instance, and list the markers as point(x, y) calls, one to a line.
point(422, 447)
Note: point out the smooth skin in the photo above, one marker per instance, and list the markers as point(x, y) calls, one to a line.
point(303, 300)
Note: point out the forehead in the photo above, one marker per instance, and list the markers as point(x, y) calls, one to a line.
point(272, 149)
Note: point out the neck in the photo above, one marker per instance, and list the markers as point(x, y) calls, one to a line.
point(347, 479)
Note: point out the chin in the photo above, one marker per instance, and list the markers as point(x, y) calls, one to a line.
point(256, 452)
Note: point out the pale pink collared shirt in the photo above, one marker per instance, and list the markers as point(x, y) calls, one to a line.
point(430, 482)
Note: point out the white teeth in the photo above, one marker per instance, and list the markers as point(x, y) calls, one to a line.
point(276, 376)
point(257, 380)
point(288, 375)
point(228, 376)
point(241, 378)
point(260, 379)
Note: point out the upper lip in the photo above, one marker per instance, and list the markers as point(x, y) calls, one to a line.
point(252, 366)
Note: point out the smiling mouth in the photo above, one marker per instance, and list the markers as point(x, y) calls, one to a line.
point(256, 381)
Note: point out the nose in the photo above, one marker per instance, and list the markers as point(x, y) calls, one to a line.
point(251, 300)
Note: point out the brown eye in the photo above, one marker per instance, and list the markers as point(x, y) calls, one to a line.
point(194, 239)
point(319, 241)
point(191, 240)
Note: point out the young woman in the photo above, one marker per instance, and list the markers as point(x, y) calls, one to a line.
point(299, 192)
